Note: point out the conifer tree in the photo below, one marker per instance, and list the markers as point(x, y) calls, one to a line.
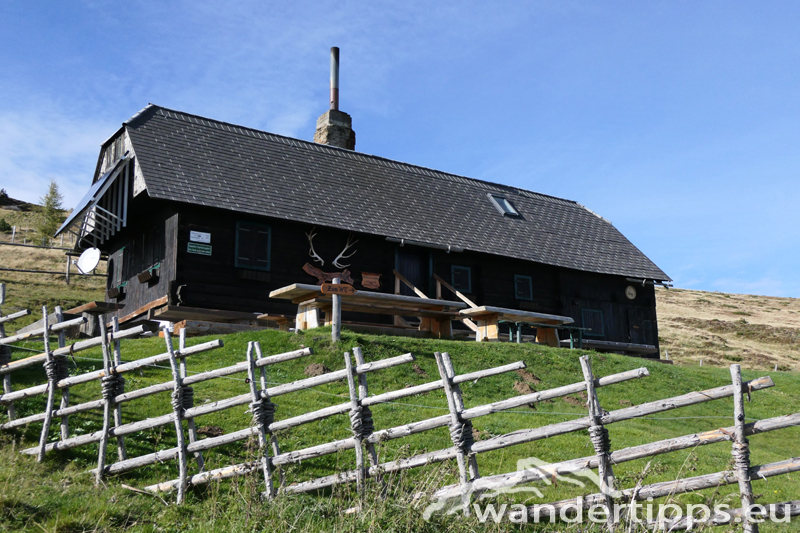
point(51, 211)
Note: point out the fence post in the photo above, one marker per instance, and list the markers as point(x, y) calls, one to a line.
point(121, 453)
point(458, 399)
point(740, 450)
point(276, 449)
point(5, 354)
point(13, 233)
point(600, 441)
point(336, 311)
point(356, 423)
point(51, 368)
point(366, 414)
point(198, 456)
point(263, 411)
point(69, 265)
point(62, 342)
point(181, 396)
point(460, 432)
point(108, 384)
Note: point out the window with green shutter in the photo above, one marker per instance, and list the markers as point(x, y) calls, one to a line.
point(253, 243)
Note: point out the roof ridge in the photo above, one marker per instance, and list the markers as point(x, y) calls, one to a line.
point(343, 152)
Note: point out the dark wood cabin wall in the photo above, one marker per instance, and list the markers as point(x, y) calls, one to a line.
point(624, 320)
point(145, 219)
point(215, 282)
point(493, 280)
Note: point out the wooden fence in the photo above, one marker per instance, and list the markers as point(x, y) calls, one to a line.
point(604, 458)
point(465, 451)
point(362, 424)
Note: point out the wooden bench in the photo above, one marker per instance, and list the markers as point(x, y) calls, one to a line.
point(616, 347)
point(488, 319)
point(436, 315)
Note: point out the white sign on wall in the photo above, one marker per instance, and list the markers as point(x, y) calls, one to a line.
point(199, 236)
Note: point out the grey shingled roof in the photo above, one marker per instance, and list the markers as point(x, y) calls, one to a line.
point(186, 158)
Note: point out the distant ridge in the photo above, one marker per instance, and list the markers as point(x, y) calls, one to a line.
point(13, 204)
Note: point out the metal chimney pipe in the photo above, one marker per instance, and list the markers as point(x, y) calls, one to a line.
point(335, 77)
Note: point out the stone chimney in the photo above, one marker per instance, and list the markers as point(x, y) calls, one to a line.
point(335, 127)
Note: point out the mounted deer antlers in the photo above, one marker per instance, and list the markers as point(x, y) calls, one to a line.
point(341, 254)
point(312, 253)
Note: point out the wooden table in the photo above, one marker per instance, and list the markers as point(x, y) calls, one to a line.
point(488, 319)
point(436, 315)
point(95, 308)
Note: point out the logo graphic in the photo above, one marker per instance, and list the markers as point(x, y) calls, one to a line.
point(455, 498)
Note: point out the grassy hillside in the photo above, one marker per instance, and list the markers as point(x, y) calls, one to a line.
point(58, 495)
point(32, 291)
point(719, 328)
point(757, 332)
point(27, 221)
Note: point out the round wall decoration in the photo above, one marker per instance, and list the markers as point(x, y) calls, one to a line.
point(630, 292)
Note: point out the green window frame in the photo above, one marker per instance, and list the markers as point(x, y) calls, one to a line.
point(461, 278)
point(523, 287)
point(253, 246)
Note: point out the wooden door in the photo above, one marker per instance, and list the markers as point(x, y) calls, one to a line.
point(412, 264)
point(640, 326)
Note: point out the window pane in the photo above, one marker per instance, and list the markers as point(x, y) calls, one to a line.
point(244, 246)
point(461, 278)
point(504, 206)
point(523, 287)
point(261, 248)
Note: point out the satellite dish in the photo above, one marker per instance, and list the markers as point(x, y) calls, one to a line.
point(88, 260)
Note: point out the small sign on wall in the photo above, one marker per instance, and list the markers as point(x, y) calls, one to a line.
point(338, 288)
point(200, 236)
point(200, 249)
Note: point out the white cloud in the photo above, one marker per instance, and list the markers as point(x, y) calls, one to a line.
point(40, 145)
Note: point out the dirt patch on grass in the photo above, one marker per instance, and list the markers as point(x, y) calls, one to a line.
point(479, 435)
point(418, 370)
point(527, 377)
point(316, 369)
point(574, 401)
point(210, 431)
point(523, 388)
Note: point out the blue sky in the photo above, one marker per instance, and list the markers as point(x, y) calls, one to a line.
point(678, 121)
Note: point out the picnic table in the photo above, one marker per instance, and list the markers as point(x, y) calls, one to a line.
point(488, 320)
point(436, 315)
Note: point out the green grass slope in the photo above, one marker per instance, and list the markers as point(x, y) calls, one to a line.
point(58, 495)
point(25, 290)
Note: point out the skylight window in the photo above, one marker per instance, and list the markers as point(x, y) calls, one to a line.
point(503, 205)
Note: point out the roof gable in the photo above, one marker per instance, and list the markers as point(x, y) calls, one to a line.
point(185, 158)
